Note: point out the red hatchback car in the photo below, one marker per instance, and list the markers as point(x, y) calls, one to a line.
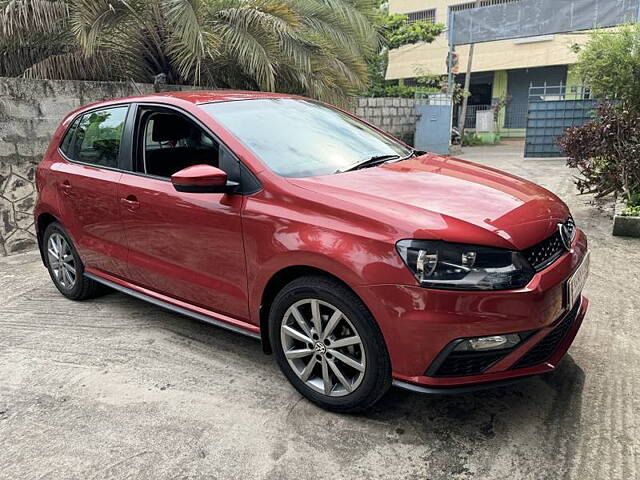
point(358, 261)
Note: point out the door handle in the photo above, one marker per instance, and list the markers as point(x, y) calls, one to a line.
point(130, 202)
point(66, 188)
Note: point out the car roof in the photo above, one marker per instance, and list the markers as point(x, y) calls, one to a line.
point(195, 97)
point(208, 96)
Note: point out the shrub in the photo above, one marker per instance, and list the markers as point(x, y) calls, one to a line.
point(402, 91)
point(631, 212)
point(633, 206)
point(471, 140)
point(606, 152)
point(634, 200)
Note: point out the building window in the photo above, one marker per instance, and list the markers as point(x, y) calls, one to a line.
point(422, 16)
point(484, 3)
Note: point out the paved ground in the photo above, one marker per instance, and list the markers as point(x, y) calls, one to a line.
point(115, 388)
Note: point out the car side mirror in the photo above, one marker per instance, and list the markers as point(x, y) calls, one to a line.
point(202, 179)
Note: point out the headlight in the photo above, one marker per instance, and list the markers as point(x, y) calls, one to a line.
point(457, 266)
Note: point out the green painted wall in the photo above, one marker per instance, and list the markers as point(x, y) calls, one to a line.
point(500, 80)
point(513, 133)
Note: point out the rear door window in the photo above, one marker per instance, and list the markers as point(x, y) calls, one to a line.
point(65, 146)
point(96, 136)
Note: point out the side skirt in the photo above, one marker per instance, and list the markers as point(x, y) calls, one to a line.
point(174, 308)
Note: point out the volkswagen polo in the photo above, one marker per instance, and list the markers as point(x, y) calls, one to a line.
point(358, 261)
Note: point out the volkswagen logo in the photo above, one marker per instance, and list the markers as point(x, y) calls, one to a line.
point(565, 236)
point(320, 348)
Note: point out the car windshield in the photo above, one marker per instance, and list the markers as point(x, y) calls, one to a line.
point(302, 138)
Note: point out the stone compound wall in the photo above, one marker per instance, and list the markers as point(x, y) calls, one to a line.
point(394, 115)
point(30, 111)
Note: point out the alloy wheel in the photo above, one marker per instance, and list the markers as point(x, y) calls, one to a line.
point(61, 261)
point(323, 347)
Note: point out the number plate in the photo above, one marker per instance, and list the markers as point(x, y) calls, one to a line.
point(576, 282)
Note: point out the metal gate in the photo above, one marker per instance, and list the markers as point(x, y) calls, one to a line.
point(551, 111)
point(433, 128)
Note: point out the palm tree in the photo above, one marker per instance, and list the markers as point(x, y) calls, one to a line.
point(318, 48)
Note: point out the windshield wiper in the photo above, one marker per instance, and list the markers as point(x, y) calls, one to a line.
point(369, 162)
point(414, 153)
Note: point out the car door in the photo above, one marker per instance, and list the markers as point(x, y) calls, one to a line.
point(187, 246)
point(87, 177)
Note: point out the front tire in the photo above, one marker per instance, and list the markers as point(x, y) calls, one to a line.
point(328, 345)
point(65, 267)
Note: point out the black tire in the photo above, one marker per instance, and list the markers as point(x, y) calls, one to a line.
point(82, 288)
point(376, 378)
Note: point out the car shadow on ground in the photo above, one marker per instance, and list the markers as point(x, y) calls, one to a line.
point(538, 418)
point(541, 414)
point(556, 395)
point(535, 425)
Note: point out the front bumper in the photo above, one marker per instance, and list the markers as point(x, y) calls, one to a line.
point(418, 324)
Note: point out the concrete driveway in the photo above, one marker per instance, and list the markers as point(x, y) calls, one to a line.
point(115, 388)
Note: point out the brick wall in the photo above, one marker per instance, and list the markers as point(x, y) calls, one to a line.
point(30, 111)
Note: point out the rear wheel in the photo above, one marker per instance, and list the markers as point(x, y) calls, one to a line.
point(65, 267)
point(328, 345)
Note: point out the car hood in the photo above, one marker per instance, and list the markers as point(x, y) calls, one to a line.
point(436, 197)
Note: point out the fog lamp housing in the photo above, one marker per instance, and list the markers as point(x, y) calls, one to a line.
point(489, 343)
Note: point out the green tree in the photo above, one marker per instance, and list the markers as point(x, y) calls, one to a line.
point(610, 64)
point(318, 48)
point(397, 32)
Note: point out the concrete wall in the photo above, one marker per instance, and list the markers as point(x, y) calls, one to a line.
point(30, 111)
point(394, 115)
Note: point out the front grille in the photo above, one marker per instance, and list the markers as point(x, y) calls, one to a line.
point(458, 364)
point(548, 251)
point(549, 344)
